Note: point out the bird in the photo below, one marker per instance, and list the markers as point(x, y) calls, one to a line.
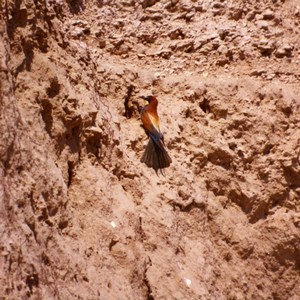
point(155, 155)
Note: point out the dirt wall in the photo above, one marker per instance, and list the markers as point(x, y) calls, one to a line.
point(82, 217)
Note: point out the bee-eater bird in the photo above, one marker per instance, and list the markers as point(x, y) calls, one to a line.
point(155, 155)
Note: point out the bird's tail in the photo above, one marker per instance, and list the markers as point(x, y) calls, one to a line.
point(156, 156)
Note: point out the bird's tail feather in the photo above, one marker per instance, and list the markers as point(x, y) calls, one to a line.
point(156, 156)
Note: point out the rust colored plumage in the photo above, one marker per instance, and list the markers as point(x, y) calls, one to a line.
point(155, 155)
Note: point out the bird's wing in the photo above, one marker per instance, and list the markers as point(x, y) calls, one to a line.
point(151, 125)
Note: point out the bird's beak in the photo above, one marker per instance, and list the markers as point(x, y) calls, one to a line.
point(145, 99)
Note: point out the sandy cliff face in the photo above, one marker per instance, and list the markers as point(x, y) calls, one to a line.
point(82, 218)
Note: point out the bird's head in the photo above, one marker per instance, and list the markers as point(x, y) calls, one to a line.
point(149, 98)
